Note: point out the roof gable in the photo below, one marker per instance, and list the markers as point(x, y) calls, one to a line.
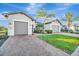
point(7, 14)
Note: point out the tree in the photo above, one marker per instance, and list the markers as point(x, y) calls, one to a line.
point(77, 18)
point(39, 26)
point(42, 14)
point(69, 19)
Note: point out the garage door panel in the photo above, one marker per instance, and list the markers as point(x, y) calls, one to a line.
point(55, 28)
point(20, 28)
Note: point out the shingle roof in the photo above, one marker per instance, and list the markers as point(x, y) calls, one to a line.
point(54, 21)
point(49, 22)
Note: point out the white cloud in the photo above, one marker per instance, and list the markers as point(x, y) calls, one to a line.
point(1, 17)
point(5, 12)
point(67, 4)
point(64, 6)
point(32, 8)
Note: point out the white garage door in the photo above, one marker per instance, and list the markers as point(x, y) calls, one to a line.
point(55, 28)
point(20, 28)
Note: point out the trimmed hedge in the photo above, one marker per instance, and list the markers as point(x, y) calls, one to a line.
point(63, 30)
point(71, 31)
point(38, 31)
point(42, 31)
point(48, 31)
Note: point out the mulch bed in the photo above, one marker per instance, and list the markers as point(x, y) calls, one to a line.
point(2, 40)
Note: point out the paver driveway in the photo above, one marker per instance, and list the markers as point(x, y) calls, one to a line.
point(29, 46)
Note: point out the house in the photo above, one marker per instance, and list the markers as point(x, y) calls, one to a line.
point(76, 26)
point(19, 24)
point(54, 25)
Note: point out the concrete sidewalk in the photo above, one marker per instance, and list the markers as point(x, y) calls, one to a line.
point(76, 52)
point(69, 34)
point(29, 46)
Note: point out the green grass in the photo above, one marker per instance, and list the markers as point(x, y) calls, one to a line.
point(3, 33)
point(66, 43)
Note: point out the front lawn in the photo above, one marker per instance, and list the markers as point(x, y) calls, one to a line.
point(63, 42)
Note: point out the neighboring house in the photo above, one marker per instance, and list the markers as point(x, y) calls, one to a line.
point(54, 25)
point(19, 24)
point(76, 26)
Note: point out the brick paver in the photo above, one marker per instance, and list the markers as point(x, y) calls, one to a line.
point(29, 46)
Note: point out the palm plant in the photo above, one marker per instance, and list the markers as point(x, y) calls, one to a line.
point(42, 14)
point(69, 19)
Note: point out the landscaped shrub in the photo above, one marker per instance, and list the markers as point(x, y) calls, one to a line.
point(48, 31)
point(42, 31)
point(63, 30)
point(3, 34)
point(38, 31)
point(77, 29)
point(76, 32)
point(71, 31)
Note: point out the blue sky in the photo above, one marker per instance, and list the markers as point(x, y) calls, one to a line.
point(60, 9)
